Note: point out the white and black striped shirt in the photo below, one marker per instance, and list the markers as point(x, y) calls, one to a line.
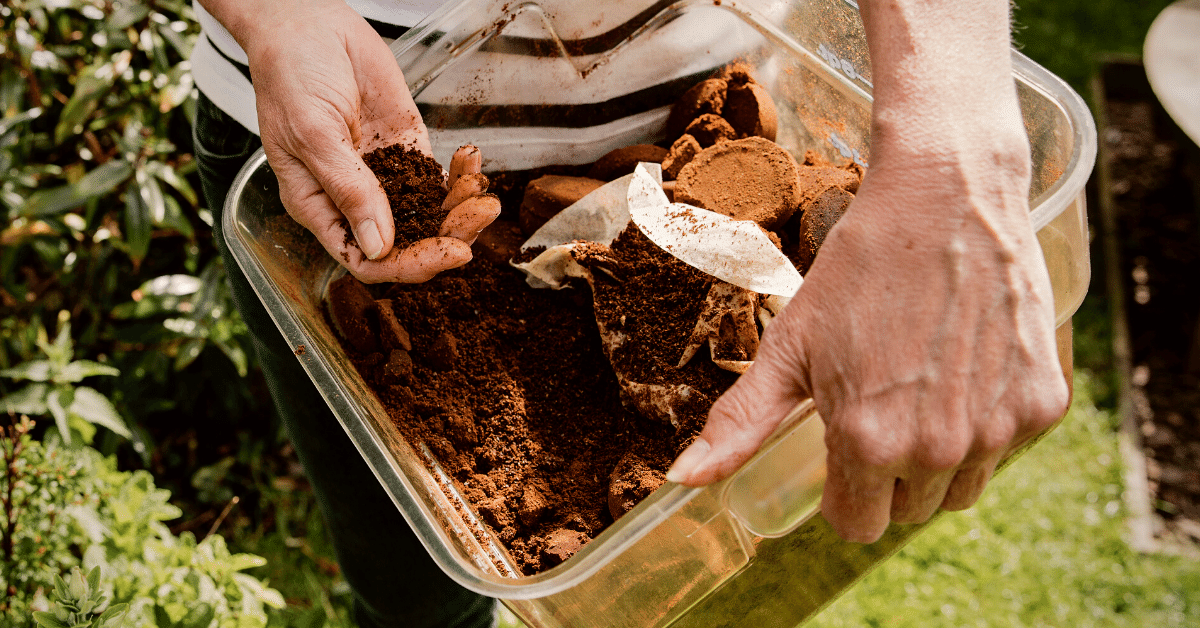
point(515, 94)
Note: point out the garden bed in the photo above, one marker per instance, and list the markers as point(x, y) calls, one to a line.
point(1151, 210)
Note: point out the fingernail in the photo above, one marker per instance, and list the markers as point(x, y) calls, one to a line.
point(689, 462)
point(369, 238)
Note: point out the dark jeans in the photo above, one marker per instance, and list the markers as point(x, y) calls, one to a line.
point(394, 580)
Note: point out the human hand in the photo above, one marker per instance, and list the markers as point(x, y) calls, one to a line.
point(924, 332)
point(328, 90)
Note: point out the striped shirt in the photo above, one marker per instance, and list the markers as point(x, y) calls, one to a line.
point(516, 95)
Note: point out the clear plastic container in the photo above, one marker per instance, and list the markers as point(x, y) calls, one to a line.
point(744, 550)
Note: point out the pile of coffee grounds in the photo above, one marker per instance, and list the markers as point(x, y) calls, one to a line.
point(510, 389)
point(414, 184)
point(653, 300)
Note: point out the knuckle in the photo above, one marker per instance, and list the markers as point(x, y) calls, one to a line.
point(943, 452)
point(996, 438)
point(867, 443)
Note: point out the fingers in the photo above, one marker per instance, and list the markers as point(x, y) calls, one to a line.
point(416, 263)
point(465, 187)
point(856, 504)
point(967, 486)
point(915, 500)
point(470, 217)
point(745, 415)
point(356, 192)
point(466, 160)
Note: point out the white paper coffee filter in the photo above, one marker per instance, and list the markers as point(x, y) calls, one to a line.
point(736, 251)
point(600, 216)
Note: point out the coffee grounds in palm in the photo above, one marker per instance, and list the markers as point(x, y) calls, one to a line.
point(414, 184)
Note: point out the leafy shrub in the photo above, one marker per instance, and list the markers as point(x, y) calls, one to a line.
point(99, 193)
point(54, 389)
point(69, 507)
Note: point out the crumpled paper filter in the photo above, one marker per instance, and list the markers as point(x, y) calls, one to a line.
point(737, 252)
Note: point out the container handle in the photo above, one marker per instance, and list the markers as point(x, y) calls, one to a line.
point(780, 487)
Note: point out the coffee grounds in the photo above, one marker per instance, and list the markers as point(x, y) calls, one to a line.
point(510, 389)
point(415, 188)
point(654, 299)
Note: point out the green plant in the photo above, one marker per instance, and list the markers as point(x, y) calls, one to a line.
point(69, 507)
point(54, 388)
point(78, 602)
point(94, 96)
point(101, 208)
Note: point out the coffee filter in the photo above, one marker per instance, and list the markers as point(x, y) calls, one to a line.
point(735, 251)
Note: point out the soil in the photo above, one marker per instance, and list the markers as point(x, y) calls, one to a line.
point(652, 300)
point(1154, 184)
point(415, 187)
point(749, 179)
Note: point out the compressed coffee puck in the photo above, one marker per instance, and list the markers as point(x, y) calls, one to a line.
point(624, 160)
point(737, 73)
point(818, 218)
point(709, 128)
point(751, 111)
point(816, 179)
point(707, 96)
point(748, 179)
point(349, 302)
point(682, 151)
point(391, 333)
point(630, 482)
point(547, 195)
point(562, 544)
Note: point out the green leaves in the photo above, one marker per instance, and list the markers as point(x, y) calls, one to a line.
point(144, 207)
point(93, 407)
point(54, 391)
point(133, 571)
point(96, 183)
point(90, 86)
point(197, 310)
point(81, 604)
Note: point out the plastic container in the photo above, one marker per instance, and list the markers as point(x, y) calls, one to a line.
point(680, 545)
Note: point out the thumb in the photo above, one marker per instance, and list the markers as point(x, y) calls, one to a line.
point(322, 182)
point(746, 414)
point(359, 196)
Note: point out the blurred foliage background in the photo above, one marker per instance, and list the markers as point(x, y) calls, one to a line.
point(117, 332)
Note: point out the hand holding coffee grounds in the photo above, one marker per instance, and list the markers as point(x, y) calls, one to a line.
point(432, 228)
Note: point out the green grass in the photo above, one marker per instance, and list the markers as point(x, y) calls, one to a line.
point(1043, 547)
point(1069, 36)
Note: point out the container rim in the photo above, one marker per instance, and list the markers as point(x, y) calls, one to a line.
point(1078, 169)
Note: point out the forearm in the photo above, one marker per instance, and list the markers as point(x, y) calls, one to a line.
point(248, 20)
point(943, 81)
